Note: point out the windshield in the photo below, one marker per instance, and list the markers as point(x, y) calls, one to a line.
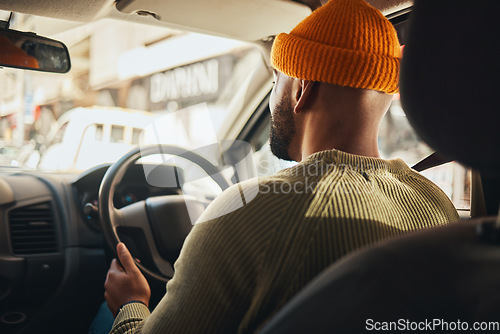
point(124, 76)
point(133, 84)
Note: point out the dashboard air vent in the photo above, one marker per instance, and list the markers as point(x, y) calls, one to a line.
point(32, 230)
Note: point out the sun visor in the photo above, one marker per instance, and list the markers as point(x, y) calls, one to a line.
point(262, 18)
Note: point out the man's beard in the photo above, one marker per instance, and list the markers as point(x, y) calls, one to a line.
point(282, 130)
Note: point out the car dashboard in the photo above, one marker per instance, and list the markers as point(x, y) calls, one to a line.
point(53, 258)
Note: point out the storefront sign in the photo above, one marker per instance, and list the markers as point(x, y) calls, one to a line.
point(185, 82)
point(186, 85)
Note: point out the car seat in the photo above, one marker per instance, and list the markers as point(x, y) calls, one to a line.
point(446, 278)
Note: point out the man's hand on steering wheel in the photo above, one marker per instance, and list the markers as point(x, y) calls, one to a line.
point(125, 282)
point(161, 240)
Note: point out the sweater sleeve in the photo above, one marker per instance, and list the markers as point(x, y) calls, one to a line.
point(130, 319)
point(214, 278)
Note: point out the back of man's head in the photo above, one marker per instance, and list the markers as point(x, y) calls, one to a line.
point(346, 43)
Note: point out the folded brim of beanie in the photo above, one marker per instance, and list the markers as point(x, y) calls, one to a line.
point(305, 59)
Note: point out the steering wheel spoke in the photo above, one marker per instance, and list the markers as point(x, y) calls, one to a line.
point(133, 215)
point(157, 225)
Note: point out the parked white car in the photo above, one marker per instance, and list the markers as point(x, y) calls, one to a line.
point(87, 137)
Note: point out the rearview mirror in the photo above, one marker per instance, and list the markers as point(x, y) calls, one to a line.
point(32, 52)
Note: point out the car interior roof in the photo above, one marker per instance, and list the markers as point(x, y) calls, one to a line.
point(192, 16)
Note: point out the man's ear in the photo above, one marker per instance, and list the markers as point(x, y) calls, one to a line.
point(304, 95)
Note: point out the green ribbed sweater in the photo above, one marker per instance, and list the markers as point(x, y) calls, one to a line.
point(236, 270)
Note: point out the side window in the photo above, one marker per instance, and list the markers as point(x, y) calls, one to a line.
point(117, 134)
point(99, 130)
point(136, 134)
point(397, 139)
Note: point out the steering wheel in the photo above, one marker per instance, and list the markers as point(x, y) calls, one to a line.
point(162, 222)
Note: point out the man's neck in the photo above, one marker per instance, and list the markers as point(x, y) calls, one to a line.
point(350, 137)
point(369, 149)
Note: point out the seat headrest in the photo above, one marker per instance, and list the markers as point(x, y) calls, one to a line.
point(450, 78)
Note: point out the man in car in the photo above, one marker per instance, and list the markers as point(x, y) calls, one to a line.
point(335, 76)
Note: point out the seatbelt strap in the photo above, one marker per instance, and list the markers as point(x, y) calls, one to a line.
point(433, 160)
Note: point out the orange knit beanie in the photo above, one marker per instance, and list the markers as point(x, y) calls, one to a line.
point(346, 43)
